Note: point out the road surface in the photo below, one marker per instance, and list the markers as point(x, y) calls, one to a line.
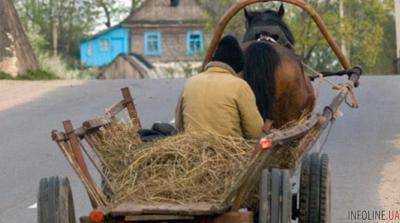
point(364, 145)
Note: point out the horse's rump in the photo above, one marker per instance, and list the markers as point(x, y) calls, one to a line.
point(275, 74)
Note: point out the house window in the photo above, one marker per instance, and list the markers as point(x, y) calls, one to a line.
point(194, 42)
point(89, 50)
point(152, 43)
point(104, 45)
point(174, 3)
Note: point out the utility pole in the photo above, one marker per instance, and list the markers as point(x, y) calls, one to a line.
point(397, 16)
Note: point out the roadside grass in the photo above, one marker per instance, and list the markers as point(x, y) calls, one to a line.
point(35, 75)
point(5, 76)
point(52, 68)
point(32, 75)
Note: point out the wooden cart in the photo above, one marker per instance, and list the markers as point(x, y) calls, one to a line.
point(277, 202)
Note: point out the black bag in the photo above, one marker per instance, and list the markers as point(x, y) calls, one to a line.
point(157, 131)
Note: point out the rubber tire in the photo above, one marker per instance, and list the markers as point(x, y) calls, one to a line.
point(304, 192)
point(55, 201)
point(275, 197)
point(315, 190)
point(325, 190)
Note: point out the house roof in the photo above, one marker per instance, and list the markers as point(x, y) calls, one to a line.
point(161, 12)
point(137, 61)
point(143, 60)
point(94, 36)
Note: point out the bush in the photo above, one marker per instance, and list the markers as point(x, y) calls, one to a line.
point(5, 76)
point(60, 67)
point(37, 75)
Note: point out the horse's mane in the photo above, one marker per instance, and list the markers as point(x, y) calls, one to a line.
point(261, 62)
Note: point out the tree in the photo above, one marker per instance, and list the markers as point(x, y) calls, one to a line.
point(58, 26)
point(364, 29)
point(16, 53)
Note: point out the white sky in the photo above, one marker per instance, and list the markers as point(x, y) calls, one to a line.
point(101, 26)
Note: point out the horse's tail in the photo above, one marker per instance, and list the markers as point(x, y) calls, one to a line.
point(261, 63)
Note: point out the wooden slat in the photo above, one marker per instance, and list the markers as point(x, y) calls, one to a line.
point(198, 209)
point(130, 105)
point(60, 136)
point(158, 218)
point(281, 136)
point(67, 151)
point(75, 145)
point(233, 217)
point(96, 123)
point(76, 149)
point(116, 109)
point(82, 131)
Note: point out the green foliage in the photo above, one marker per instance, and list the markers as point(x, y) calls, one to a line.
point(39, 74)
point(32, 75)
point(62, 68)
point(367, 31)
point(68, 21)
point(365, 35)
point(5, 76)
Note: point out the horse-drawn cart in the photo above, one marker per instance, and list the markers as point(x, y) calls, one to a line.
point(277, 202)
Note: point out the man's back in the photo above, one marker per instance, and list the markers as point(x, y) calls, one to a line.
point(220, 102)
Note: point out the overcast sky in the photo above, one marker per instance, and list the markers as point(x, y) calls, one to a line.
point(101, 26)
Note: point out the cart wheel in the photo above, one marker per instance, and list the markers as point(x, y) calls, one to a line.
point(275, 196)
point(55, 203)
point(325, 190)
point(315, 190)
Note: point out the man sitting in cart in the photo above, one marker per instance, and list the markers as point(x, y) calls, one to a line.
point(218, 100)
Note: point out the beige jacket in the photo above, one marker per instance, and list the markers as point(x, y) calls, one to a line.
point(219, 101)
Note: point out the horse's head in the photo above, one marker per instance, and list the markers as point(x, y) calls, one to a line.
point(268, 24)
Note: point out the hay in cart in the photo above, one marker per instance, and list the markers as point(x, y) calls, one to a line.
point(182, 169)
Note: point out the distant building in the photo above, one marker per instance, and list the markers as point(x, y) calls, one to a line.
point(163, 31)
point(128, 66)
point(167, 30)
point(102, 48)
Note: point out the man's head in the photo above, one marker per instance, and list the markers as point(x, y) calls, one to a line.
point(230, 52)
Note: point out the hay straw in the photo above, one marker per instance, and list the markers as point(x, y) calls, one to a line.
point(187, 168)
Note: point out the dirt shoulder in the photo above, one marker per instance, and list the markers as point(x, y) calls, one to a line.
point(14, 93)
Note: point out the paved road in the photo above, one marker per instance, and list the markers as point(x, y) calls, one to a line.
point(364, 145)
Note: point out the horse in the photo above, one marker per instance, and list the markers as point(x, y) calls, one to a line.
point(272, 69)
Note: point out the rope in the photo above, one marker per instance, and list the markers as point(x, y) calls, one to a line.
point(351, 100)
point(327, 135)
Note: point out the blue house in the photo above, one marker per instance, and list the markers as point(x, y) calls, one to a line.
point(102, 48)
point(163, 31)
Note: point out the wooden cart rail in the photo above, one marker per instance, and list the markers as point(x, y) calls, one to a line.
point(72, 147)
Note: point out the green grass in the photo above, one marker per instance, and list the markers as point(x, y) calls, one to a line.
point(32, 75)
point(5, 76)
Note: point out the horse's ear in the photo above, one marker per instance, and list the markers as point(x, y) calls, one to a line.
point(247, 14)
point(281, 11)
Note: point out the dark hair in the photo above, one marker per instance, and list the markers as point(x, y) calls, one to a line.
point(262, 60)
point(230, 52)
point(265, 18)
